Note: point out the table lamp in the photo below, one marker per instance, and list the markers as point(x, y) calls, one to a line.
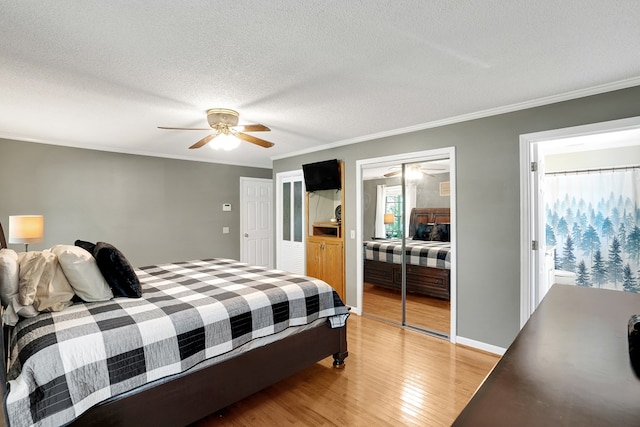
point(26, 229)
point(389, 218)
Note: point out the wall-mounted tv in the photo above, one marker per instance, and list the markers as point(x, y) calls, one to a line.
point(322, 175)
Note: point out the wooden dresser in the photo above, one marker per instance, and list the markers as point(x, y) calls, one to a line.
point(569, 366)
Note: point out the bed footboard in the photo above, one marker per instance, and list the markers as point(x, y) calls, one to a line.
point(188, 398)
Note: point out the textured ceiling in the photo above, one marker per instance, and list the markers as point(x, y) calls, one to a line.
point(105, 74)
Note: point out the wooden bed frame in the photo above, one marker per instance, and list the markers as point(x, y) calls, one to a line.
point(185, 398)
point(428, 281)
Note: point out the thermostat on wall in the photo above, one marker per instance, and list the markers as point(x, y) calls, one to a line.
point(226, 206)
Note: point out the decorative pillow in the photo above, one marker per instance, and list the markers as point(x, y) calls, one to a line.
point(9, 275)
point(117, 271)
point(83, 273)
point(440, 232)
point(33, 265)
point(423, 232)
point(87, 246)
point(56, 294)
point(43, 283)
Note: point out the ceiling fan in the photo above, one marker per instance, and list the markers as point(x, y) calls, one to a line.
point(225, 124)
point(414, 169)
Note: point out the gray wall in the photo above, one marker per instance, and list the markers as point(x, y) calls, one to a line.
point(488, 200)
point(153, 209)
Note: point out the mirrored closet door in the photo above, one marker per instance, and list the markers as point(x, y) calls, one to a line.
point(426, 267)
point(406, 266)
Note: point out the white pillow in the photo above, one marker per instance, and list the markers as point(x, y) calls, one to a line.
point(9, 275)
point(82, 272)
point(43, 283)
point(15, 309)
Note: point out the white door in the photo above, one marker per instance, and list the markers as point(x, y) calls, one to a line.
point(290, 249)
point(256, 221)
point(541, 276)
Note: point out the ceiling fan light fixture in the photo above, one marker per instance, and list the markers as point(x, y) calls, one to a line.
point(227, 135)
point(225, 141)
point(413, 173)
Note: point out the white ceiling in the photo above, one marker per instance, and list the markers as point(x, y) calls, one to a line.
point(105, 74)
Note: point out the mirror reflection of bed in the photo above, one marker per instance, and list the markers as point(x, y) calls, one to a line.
point(427, 249)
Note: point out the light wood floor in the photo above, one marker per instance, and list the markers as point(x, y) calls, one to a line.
point(393, 376)
point(424, 312)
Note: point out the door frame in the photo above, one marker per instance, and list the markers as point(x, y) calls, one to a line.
point(243, 215)
point(418, 156)
point(529, 203)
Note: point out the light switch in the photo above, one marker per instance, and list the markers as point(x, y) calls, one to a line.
point(225, 230)
point(226, 207)
point(353, 234)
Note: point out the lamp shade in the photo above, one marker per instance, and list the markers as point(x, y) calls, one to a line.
point(26, 228)
point(389, 218)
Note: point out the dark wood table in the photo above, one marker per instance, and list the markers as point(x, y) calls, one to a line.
point(568, 366)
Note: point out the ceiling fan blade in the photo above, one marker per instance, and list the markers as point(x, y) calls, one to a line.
point(254, 140)
point(164, 127)
point(204, 141)
point(251, 128)
point(391, 174)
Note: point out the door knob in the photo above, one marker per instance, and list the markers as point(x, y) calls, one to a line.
point(246, 234)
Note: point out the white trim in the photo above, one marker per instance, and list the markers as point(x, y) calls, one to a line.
point(527, 290)
point(481, 346)
point(525, 230)
point(453, 217)
point(595, 90)
point(356, 310)
point(427, 155)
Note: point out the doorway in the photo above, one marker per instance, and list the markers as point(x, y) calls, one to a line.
point(390, 192)
point(256, 221)
point(592, 147)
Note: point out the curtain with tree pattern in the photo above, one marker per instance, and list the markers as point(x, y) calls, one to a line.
point(593, 220)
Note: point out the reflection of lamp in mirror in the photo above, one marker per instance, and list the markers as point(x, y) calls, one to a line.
point(389, 218)
point(26, 229)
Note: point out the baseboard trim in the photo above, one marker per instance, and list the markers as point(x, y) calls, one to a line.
point(480, 345)
point(355, 310)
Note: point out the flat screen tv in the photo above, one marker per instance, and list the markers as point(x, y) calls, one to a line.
point(322, 175)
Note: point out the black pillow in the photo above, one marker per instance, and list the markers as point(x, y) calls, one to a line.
point(423, 232)
point(440, 232)
point(87, 246)
point(117, 271)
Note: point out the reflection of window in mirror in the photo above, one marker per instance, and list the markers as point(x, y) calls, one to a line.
point(393, 204)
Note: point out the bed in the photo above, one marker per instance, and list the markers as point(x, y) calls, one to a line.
point(154, 377)
point(428, 266)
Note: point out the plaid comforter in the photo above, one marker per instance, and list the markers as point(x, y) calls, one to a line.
point(63, 363)
point(419, 252)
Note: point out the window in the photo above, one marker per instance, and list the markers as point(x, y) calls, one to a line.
point(393, 204)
